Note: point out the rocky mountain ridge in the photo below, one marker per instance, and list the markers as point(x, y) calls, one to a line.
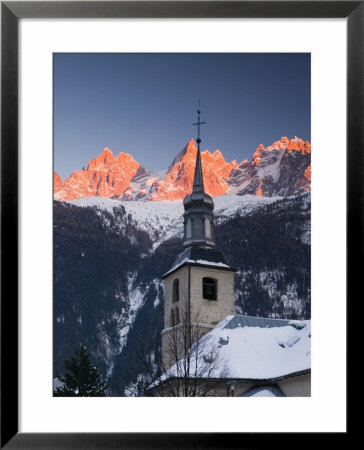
point(283, 168)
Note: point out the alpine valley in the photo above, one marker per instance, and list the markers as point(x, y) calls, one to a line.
point(118, 229)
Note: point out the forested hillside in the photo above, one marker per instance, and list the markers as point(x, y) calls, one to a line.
point(108, 292)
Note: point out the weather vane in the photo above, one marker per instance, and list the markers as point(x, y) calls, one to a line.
point(198, 123)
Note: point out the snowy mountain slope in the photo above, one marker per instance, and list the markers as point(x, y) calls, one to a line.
point(161, 220)
point(109, 256)
point(95, 297)
point(164, 219)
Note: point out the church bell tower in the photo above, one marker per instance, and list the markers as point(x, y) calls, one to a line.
point(199, 287)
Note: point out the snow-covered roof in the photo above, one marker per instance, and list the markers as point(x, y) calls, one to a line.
point(202, 257)
point(252, 348)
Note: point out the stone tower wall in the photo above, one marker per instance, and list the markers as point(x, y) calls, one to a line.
point(207, 313)
point(212, 312)
point(169, 304)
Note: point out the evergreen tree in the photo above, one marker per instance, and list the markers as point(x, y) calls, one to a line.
point(81, 378)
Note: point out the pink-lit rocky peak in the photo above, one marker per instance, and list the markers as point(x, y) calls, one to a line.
point(283, 168)
point(57, 182)
point(105, 176)
point(178, 181)
point(295, 144)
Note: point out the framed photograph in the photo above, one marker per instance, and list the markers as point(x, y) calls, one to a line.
point(203, 210)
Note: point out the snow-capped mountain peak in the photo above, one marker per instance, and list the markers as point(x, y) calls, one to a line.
point(283, 168)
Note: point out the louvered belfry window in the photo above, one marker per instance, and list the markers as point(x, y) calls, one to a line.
point(188, 229)
point(209, 288)
point(207, 228)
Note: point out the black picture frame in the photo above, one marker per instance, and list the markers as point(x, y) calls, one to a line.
point(11, 12)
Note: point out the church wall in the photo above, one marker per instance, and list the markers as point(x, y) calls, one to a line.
point(172, 347)
point(239, 388)
point(219, 388)
point(180, 274)
point(297, 386)
point(174, 341)
point(203, 311)
point(212, 311)
point(168, 334)
point(293, 387)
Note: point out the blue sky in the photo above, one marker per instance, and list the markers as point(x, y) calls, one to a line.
point(145, 104)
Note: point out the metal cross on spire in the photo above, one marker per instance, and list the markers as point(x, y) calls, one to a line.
point(198, 123)
point(198, 178)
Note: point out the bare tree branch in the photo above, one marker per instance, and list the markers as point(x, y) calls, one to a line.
point(190, 364)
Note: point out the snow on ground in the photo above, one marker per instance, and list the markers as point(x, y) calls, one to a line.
point(101, 202)
point(254, 352)
point(228, 205)
point(126, 319)
point(57, 383)
point(136, 295)
point(136, 298)
point(306, 233)
point(158, 298)
point(163, 216)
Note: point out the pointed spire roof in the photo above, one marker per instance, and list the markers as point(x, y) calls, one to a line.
point(198, 215)
point(198, 220)
point(198, 179)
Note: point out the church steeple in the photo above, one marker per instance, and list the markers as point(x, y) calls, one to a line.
point(199, 287)
point(198, 179)
point(198, 215)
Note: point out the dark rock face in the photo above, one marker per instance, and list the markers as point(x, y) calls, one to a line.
point(279, 173)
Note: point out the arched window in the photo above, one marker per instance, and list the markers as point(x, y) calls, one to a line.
point(209, 288)
point(175, 295)
point(177, 315)
point(173, 322)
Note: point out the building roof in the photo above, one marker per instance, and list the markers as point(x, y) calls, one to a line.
point(255, 349)
point(202, 257)
point(261, 322)
point(198, 178)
